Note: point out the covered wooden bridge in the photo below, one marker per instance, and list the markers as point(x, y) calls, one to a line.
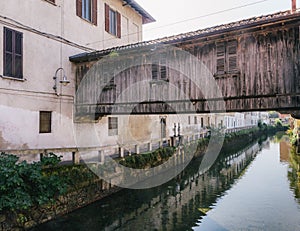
point(249, 65)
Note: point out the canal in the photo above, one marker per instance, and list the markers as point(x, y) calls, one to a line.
point(249, 189)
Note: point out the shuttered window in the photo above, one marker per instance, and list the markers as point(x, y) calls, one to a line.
point(163, 68)
point(226, 56)
point(159, 71)
point(112, 21)
point(154, 71)
point(163, 72)
point(87, 9)
point(13, 53)
point(221, 57)
point(232, 55)
point(45, 121)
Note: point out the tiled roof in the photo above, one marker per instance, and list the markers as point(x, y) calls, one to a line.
point(245, 23)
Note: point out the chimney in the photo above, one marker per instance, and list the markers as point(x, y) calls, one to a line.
point(294, 6)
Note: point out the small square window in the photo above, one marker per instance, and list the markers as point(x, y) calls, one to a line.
point(112, 126)
point(45, 121)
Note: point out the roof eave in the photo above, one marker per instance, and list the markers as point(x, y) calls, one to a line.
point(181, 39)
point(147, 18)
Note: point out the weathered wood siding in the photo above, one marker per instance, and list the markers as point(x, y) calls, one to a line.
point(267, 76)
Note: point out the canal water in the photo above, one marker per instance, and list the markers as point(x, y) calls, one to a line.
point(249, 189)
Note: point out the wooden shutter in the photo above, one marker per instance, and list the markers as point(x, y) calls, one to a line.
point(106, 17)
point(13, 53)
point(232, 55)
point(221, 57)
point(154, 71)
point(79, 8)
point(163, 72)
point(118, 25)
point(18, 59)
point(94, 12)
point(8, 52)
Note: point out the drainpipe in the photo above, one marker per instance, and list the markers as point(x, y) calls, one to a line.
point(294, 6)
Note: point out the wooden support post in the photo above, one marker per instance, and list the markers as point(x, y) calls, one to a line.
point(137, 149)
point(101, 157)
point(121, 152)
point(75, 157)
point(160, 144)
point(150, 146)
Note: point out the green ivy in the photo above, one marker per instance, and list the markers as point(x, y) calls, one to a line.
point(23, 185)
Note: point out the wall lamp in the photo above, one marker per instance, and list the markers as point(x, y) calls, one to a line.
point(64, 81)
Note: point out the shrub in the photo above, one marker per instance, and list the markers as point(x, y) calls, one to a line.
point(23, 185)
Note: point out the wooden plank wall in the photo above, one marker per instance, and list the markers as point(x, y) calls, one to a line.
point(267, 77)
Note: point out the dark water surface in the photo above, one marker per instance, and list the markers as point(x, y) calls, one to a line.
point(247, 190)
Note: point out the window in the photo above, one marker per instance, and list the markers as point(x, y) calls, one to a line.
point(112, 126)
point(159, 71)
point(226, 56)
point(202, 122)
point(163, 127)
point(154, 71)
point(87, 9)
point(195, 120)
point(112, 21)
point(13, 53)
point(45, 121)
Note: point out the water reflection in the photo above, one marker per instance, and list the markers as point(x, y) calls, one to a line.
point(294, 173)
point(176, 205)
point(261, 200)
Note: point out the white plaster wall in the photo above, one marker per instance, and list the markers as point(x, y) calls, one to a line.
point(21, 101)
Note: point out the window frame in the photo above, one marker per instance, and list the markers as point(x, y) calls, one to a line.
point(113, 123)
point(113, 22)
point(114, 30)
point(15, 72)
point(87, 10)
point(45, 117)
point(159, 71)
point(226, 56)
point(93, 11)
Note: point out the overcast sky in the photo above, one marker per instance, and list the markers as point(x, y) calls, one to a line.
point(168, 12)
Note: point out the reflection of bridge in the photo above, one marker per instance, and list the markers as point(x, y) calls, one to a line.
point(176, 203)
point(255, 63)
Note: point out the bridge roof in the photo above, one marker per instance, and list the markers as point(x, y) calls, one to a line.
point(185, 37)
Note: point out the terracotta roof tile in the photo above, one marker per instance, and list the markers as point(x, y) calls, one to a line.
point(191, 35)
